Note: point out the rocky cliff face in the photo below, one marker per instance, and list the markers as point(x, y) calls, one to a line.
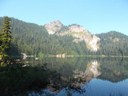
point(78, 32)
point(53, 27)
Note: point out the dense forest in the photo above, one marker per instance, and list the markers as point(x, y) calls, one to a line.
point(113, 43)
point(34, 39)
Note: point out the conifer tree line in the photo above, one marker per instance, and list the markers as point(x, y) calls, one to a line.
point(34, 39)
point(5, 40)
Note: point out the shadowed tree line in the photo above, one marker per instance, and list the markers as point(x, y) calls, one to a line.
point(33, 39)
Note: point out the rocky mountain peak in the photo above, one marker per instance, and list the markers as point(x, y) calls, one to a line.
point(76, 28)
point(53, 27)
point(78, 32)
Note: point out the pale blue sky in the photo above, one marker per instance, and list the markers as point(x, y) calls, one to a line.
point(95, 15)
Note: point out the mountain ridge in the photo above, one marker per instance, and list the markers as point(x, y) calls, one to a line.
point(34, 39)
point(78, 32)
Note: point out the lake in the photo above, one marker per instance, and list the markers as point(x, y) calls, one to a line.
point(87, 76)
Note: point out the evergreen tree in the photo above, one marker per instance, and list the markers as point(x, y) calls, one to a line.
point(5, 39)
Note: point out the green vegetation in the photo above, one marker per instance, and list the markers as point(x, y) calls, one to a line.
point(34, 39)
point(113, 43)
point(5, 40)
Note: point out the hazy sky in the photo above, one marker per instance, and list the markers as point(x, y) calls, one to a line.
point(95, 15)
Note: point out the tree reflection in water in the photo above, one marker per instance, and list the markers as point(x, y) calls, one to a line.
point(73, 83)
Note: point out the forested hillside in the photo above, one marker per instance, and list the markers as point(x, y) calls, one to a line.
point(113, 43)
point(34, 39)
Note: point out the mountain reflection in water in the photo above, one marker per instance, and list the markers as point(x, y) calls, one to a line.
point(80, 77)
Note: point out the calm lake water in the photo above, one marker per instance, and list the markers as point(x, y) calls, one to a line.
point(104, 76)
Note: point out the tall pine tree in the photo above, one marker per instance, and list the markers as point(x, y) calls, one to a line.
point(5, 40)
